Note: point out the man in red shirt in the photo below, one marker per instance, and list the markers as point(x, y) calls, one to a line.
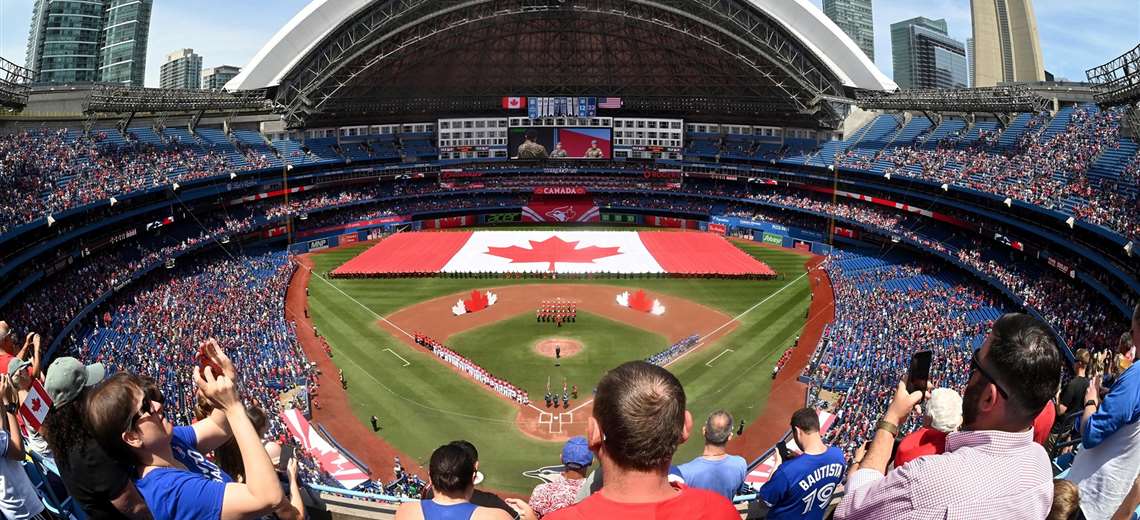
point(639, 419)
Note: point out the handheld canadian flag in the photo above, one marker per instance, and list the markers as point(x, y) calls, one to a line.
point(35, 407)
point(514, 103)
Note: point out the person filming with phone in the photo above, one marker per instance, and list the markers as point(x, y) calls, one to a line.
point(991, 468)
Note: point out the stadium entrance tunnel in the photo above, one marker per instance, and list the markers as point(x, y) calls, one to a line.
point(359, 60)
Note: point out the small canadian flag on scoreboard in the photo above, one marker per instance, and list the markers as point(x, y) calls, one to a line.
point(514, 103)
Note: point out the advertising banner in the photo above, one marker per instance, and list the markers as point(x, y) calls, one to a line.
point(502, 218)
point(718, 228)
point(774, 239)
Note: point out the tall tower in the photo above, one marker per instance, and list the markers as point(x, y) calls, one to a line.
point(64, 40)
point(183, 69)
point(970, 61)
point(81, 41)
point(1006, 46)
point(854, 18)
point(925, 56)
point(126, 27)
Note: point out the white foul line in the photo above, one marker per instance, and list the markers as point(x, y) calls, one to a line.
point(354, 300)
point(726, 351)
point(399, 356)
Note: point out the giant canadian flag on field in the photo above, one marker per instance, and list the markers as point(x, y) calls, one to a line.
point(554, 251)
point(331, 461)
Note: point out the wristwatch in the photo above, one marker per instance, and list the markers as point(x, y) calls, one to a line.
point(888, 427)
point(11, 408)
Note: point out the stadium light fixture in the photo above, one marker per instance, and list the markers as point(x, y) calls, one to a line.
point(233, 175)
point(114, 201)
point(831, 167)
point(1129, 247)
point(887, 176)
point(945, 187)
point(175, 186)
point(50, 220)
point(1008, 202)
point(1071, 222)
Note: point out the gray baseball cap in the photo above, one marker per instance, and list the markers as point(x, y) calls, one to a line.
point(15, 364)
point(67, 376)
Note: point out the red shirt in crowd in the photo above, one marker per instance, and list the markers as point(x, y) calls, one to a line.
point(689, 504)
point(1043, 424)
point(923, 441)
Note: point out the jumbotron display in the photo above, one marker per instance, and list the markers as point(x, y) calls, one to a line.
point(539, 143)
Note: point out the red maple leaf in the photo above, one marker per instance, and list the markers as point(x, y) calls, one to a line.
point(35, 405)
point(553, 250)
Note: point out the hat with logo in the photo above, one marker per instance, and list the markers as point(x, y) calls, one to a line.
point(576, 453)
point(67, 377)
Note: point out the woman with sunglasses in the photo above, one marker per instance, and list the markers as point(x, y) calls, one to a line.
point(130, 424)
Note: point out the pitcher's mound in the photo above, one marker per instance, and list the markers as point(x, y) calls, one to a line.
point(567, 347)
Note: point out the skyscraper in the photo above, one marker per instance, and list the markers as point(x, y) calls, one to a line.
point(854, 18)
point(970, 61)
point(215, 78)
point(1006, 47)
point(183, 69)
point(925, 56)
point(75, 41)
point(123, 54)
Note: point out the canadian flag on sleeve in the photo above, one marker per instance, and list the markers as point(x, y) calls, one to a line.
point(514, 103)
point(35, 407)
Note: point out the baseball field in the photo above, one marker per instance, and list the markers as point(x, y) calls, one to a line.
point(746, 324)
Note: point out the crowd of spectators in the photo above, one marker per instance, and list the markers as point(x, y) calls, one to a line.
point(1049, 172)
point(885, 312)
point(472, 369)
point(48, 171)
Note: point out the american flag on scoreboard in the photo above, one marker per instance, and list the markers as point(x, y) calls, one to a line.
point(609, 102)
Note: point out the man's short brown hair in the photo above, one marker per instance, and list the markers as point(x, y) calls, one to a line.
point(806, 419)
point(641, 410)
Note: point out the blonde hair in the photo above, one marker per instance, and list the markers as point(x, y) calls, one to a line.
point(1066, 500)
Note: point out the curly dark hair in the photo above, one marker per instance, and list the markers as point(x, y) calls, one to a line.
point(65, 427)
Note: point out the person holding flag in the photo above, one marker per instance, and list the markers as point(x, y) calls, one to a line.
point(34, 405)
point(18, 498)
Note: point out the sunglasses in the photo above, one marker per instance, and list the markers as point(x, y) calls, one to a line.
point(150, 396)
point(976, 365)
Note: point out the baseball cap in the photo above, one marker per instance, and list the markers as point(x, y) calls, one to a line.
point(15, 364)
point(67, 376)
point(576, 453)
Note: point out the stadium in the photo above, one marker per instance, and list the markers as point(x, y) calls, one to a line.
point(411, 223)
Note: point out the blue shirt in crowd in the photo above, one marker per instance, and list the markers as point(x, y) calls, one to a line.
point(723, 476)
point(802, 487)
point(175, 494)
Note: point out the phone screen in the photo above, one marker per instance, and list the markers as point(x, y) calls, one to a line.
point(283, 461)
point(919, 372)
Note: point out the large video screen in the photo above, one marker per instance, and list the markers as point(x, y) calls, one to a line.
point(539, 143)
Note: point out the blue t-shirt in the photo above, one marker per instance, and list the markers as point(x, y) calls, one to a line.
point(802, 487)
point(185, 446)
point(722, 477)
point(174, 494)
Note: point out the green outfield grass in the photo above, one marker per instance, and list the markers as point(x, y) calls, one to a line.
point(506, 349)
point(425, 404)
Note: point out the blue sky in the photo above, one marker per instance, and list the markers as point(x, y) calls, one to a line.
point(1075, 35)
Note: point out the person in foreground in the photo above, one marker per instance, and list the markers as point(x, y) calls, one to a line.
point(716, 470)
point(991, 468)
point(1109, 462)
point(638, 422)
point(126, 416)
point(452, 472)
point(801, 487)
